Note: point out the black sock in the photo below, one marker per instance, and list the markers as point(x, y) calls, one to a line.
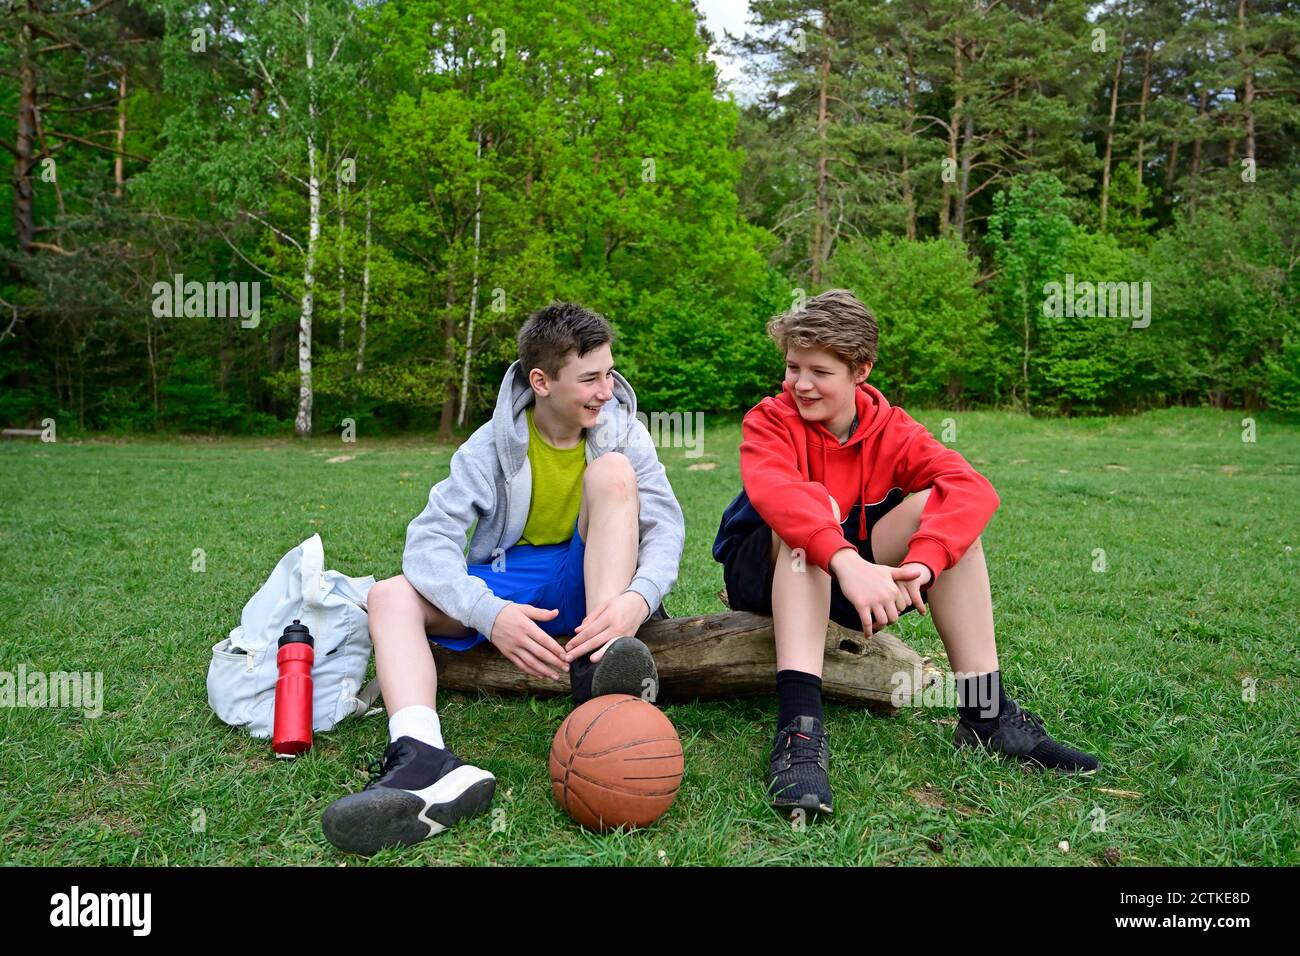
point(977, 692)
point(581, 671)
point(797, 695)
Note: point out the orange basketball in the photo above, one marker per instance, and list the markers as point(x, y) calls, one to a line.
point(616, 761)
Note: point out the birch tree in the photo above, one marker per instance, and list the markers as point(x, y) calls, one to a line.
point(263, 87)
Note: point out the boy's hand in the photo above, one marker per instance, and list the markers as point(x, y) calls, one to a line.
point(620, 616)
point(876, 590)
point(526, 645)
point(911, 587)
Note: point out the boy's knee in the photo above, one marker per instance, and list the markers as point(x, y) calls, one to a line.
point(610, 475)
point(391, 594)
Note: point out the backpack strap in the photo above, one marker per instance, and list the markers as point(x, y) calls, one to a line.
point(367, 697)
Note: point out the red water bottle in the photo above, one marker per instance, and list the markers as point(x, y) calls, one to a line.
point(293, 691)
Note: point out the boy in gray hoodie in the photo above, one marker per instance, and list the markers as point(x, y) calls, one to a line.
point(576, 531)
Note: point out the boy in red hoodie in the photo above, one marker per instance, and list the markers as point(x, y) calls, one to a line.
point(825, 529)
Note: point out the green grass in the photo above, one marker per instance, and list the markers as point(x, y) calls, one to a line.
point(1142, 664)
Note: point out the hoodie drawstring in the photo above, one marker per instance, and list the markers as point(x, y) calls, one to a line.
point(823, 447)
point(862, 493)
point(862, 484)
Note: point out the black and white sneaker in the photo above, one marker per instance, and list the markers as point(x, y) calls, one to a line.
point(418, 791)
point(797, 768)
point(1020, 733)
point(628, 667)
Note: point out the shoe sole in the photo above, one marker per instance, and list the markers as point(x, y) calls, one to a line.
point(367, 822)
point(624, 669)
point(810, 803)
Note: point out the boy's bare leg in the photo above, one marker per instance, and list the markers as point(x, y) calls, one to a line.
point(963, 614)
point(400, 619)
point(609, 523)
point(960, 600)
point(801, 604)
point(423, 788)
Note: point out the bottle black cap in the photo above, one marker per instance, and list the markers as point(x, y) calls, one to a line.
point(297, 633)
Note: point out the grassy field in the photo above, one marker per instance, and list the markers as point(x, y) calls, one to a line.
point(1142, 664)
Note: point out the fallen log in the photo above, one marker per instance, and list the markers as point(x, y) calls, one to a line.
point(716, 656)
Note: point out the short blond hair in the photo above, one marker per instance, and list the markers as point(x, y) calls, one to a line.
point(836, 321)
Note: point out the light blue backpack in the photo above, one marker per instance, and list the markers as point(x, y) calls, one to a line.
point(243, 671)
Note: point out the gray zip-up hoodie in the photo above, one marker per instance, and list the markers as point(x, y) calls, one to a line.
point(491, 482)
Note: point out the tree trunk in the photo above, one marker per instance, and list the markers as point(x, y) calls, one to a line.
point(1194, 172)
point(473, 294)
point(118, 180)
point(1110, 130)
point(153, 365)
point(1142, 119)
point(365, 295)
point(24, 212)
point(945, 208)
point(302, 422)
point(447, 415)
point(343, 311)
point(818, 239)
point(45, 151)
point(909, 200)
point(1249, 83)
point(1024, 367)
point(963, 186)
point(81, 383)
point(718, 656)
point(226, 360)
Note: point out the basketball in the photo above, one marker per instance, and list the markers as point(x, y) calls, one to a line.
point(616, 761)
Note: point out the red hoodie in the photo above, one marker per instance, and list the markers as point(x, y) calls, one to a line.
point(790, 467)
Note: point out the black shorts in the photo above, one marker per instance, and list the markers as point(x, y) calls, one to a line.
point(748, 570)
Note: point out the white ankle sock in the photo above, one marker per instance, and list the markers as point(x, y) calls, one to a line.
point(419, 722)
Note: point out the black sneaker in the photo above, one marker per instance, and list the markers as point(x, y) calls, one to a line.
point(417, 792)
point(796, 770)
point(628, 667)
point(1019, 733)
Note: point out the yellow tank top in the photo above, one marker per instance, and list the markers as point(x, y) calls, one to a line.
point(557, 488)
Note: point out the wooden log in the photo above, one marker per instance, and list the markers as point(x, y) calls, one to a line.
point(716, 656)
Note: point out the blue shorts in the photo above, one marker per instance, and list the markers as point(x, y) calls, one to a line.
point(543, 575)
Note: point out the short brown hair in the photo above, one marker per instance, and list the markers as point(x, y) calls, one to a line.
point(550, 334)
point(835, 321)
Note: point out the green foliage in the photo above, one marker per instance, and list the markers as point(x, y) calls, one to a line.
point(476, 159)
point(23, 405)
point(1028, 233)
point(191, 401)
point(1086, 362)
point(1130, 201)
point(934, 323)
point(1226, 299)
point(1284, 376)
point(689, 350)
